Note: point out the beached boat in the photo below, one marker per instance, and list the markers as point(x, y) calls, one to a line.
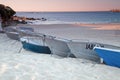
point(83, 49)
point(58, 47)
point(110, 56)
point(12, 33)
point(15, 33)
point(35, 44)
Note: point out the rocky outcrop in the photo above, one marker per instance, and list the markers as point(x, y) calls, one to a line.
point(25, 20)
point(8, 18)
point(6, 13)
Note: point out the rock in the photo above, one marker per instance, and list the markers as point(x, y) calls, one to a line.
point(43, 19)
point(6, 13)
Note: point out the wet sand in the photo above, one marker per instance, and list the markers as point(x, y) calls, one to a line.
point(102, 33)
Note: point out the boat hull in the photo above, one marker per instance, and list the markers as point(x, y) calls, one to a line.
point(13, 35)
point(80, 50)
point(110, 57)
point(36, 48)
point(58, 47)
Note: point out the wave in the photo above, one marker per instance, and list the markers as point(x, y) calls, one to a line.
point(38, 22)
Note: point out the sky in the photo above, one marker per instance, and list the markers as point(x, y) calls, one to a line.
point(62, 5)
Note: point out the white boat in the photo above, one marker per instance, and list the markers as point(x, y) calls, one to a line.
point(58, 47)
point(15, 33)
point(83, 49)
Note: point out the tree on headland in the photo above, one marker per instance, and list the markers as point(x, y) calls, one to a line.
point(6, 13)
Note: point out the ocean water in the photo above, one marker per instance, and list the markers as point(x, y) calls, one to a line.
point(72, 17)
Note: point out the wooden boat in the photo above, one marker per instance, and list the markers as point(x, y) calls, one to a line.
point(110, 56)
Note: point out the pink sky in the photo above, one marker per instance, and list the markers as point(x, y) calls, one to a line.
point(62, 5)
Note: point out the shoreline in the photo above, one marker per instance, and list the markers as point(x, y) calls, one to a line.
point(75, 23)
point(103, 33)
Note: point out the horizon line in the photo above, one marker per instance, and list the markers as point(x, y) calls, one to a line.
point(66, 11)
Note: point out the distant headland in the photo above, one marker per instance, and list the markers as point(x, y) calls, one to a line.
point(115, 10)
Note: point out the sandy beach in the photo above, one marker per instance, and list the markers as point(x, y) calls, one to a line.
point(28, 65)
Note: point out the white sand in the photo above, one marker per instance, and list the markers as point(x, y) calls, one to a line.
point(32, 66)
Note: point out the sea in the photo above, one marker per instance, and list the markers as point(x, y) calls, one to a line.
point(72, 17)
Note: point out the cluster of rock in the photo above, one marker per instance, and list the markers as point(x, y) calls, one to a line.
point(23, 20)
point(7, 17)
